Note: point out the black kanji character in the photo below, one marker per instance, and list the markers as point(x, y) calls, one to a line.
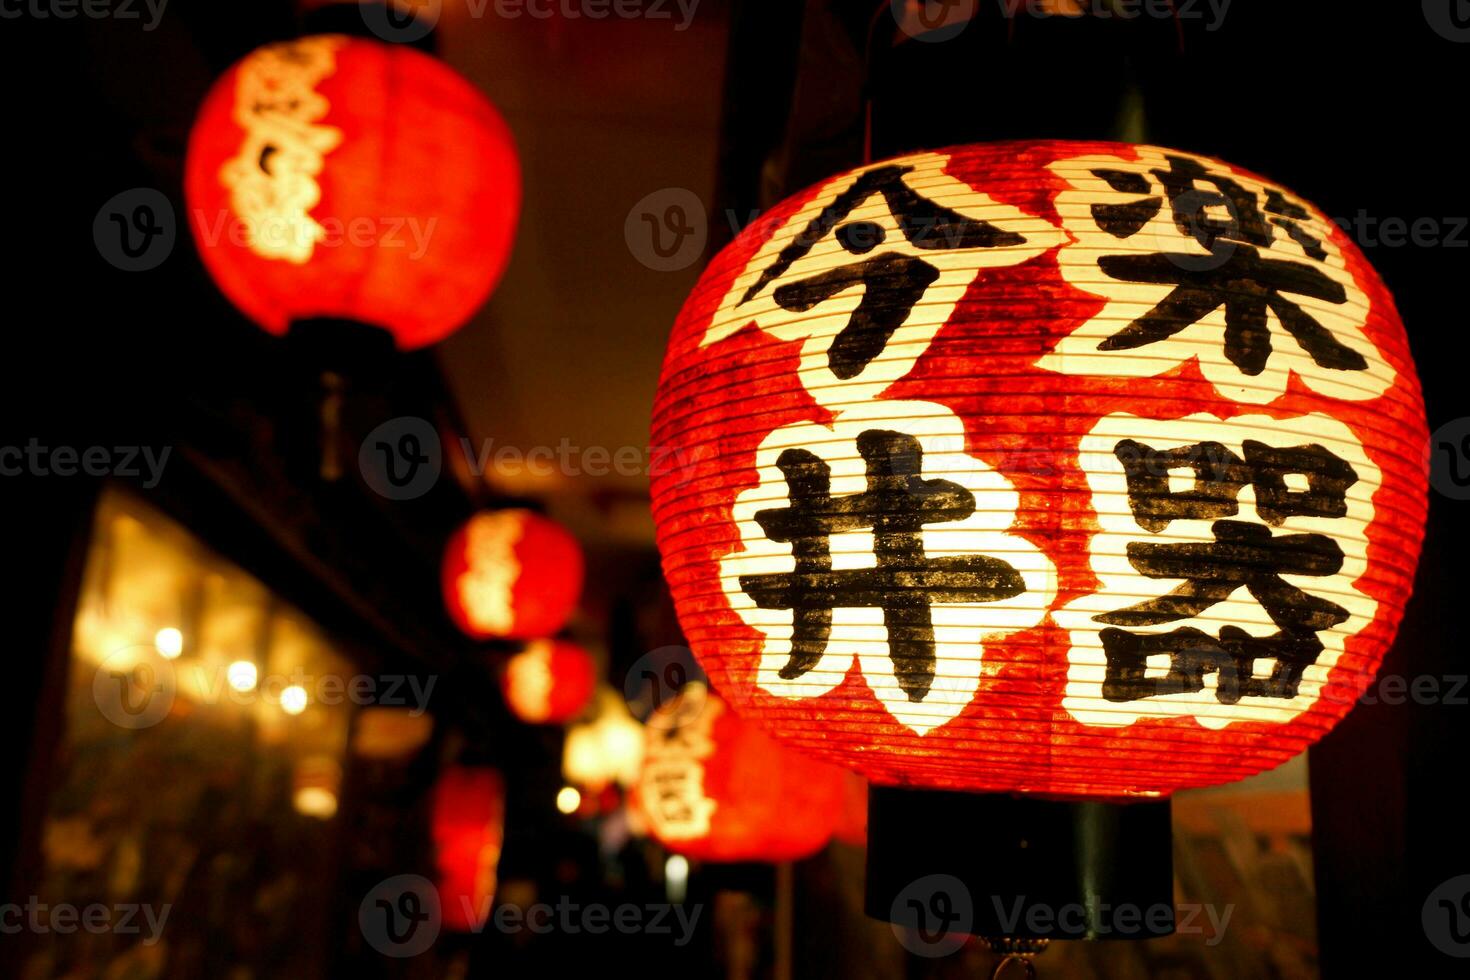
point(1219, 475)
point(1242, 555)
point(1328, 478)
point(1196, 210)
point(1290, 213)
point(1247, 285)
point(905, 582)
point(893, 282)
point(1125, 220)
point(1193, 654)
point(1238, 277)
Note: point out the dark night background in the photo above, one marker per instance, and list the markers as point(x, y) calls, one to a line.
point(1359, 107)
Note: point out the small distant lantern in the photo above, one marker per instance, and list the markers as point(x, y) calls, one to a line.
point(716, 788)
point(549, 682)
point(1045, 471)
point(511, 575)
point(468, 825)
point(606, 750)
point(337, 178)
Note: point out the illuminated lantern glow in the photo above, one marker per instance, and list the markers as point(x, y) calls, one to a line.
point(390, 733)
point(549, 682)
point(315, 785)
point(339, 178)
point(468, 826)
point(852, 822)
point(1084, 470)
point(717, 788)
point(511, 575)
point(605, 750)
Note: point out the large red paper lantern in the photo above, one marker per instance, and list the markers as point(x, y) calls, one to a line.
point(511, 574)
point(549, 682)
point(340, 178)
point(468, 824)
point(1078, 469)
point(717, 788)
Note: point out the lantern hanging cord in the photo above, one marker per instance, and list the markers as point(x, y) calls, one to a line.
point(1015, 950)
point(1026, 964)
point(1011, 7)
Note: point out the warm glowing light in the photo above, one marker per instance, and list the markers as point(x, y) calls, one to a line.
point(390, 733)
point(291, 180)
point(550, 681)
point(315, 801)
point(169, 642)
point(1086, 470)
point(608, 749)
point(511, 574)
point(294, 699)
point(676, 878)
point(242, 675)
point(468, 828)
point(568, 799)
point(715, 787)
point(316, 780)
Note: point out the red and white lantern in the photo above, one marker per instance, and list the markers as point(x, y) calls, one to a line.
point(340, 178)
point(468, 823)
point(549, 682)
point(1078, 469)
point(511, 575)
point(717, 788)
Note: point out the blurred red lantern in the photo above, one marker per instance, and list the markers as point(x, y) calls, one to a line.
point(549, 682)
point(852, 821)
point(716, 788)
point(468, 829)
point(339, 178)
point(511, 574)
point(1083, 470)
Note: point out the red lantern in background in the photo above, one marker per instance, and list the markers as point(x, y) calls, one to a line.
point(468, 828)
point(340, 178)
point(852, 822)
point(511, 575)
point(716, 788)
point(1084, 470)
point(549, 682)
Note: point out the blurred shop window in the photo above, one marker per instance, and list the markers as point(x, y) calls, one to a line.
point(199, 769)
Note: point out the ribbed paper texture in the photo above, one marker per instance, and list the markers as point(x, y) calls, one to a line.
point(339, 178)
point(1077, 469)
